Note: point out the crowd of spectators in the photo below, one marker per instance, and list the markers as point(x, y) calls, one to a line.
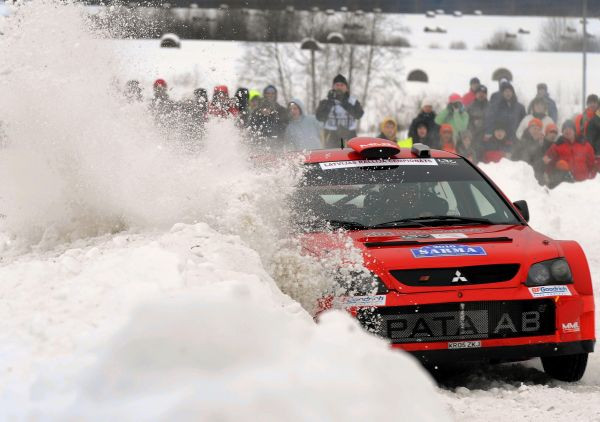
point(480, 127)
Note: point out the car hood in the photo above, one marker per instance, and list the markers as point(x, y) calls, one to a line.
point(449, 247)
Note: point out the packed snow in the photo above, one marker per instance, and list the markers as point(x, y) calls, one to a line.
point(140, 282)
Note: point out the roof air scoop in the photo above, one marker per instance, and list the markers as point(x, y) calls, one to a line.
point(421, 150)
point(374, 148)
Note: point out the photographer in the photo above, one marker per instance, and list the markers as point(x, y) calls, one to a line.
point(339, 113)
point(455, 115)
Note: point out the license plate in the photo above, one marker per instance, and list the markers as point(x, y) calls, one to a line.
point(464, 345)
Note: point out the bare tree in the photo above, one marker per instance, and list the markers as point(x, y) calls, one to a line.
point(561, 34)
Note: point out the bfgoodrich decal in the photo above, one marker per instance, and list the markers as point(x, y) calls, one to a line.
point(549, 291)
point(351, 301)
point(439, 251)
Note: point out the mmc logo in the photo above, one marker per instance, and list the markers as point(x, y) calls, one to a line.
point(459, 277)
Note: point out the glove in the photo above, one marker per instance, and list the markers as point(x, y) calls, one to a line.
point(331, 95)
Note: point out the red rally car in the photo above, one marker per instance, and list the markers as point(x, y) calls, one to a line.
point(455, 272)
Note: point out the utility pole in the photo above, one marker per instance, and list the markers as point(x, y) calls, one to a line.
point(584, 51)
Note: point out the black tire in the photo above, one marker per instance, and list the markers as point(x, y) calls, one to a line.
point(569, 368)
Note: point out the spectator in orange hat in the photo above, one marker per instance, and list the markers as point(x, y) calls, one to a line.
point(447, 137)
point(551, 133)
point(455, 115)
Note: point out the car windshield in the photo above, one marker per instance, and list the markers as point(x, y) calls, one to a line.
point(410, 192)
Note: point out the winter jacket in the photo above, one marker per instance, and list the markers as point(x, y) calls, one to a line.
point(477, 111)
point(582, 121)
point(341, 113)
point(546, 120)
point(433, 129)
point(511, 112)
point(458, 119)
point(532, 152)
point(494, 149)
point(550, 106)
point(579, 155)
point(304, 133)
point(267, 121)
point(468, 98)
point(593, 132)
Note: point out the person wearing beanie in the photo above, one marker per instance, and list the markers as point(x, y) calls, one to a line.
point(507, 109)
point(539, 111)
point(476, 112)
point(339, 113)
point(498, 94)
point(582, 120)
point(578, 153)
point(161, 105)
point(455, 115)
point(268, 121)
point(542, 94)
point(551, 133)
point(447, 138)
point(532, 148)
point(426, 116)
point(469, 97)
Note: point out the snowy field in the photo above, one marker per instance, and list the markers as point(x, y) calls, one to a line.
point(141, 283)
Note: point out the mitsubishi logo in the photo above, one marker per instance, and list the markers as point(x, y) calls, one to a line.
point(458, 277)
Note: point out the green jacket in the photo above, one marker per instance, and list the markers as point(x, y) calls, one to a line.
point(459, 120)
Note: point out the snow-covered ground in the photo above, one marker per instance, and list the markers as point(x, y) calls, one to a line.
point(140, 283)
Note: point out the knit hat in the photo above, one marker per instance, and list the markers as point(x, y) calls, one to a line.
point(543, 86)
point(454, 98)
point(568, 124)
point(500, 124)
point(482, 88)
point(550, 127)
point(160, 82)
point(340, 78)
point(446, 127)
point(269, 88)
point(535, 122)
point(427, 101)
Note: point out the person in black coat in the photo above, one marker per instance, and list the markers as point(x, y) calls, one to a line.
point(427, 117)
point(506, 109)
point(339, 113)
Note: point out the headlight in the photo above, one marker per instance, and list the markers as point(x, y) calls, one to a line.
point(553, 271)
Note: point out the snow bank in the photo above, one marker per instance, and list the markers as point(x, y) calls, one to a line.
point(186, 325)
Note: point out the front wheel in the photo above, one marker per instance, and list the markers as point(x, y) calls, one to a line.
point(568, 368)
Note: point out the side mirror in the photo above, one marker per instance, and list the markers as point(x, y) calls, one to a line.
point(523, 209)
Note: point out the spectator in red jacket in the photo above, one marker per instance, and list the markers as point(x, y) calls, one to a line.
point(578, 154)
point(221, 105)
point(582, 120)
point(469, 97)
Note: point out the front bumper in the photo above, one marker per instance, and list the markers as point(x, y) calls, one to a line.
point(503, 353)
point(573, 330)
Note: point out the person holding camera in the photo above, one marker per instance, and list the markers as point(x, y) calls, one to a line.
point(339, 113)
point(455, 115)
